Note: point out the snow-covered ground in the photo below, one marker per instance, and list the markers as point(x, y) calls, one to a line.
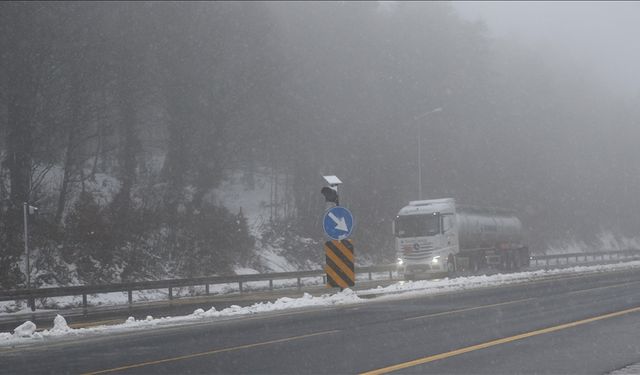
point(236, 196)
point(27, 332)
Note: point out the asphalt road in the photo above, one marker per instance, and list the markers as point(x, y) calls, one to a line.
point(568, 325)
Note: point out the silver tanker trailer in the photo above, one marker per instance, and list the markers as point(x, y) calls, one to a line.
point(439, 236)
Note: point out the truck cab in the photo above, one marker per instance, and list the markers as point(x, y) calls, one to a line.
point(426, 238)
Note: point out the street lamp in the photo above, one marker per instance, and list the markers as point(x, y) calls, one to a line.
point(420, 147)
point(27, 210)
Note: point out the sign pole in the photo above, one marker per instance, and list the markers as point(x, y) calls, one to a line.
point(338, 225)
point(26, 244)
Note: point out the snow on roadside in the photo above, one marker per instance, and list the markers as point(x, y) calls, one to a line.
point(27, 331)
point(473, 282)
point(629, 370)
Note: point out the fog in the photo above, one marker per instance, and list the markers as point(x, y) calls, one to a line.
point(594, 35)
point(120, 120)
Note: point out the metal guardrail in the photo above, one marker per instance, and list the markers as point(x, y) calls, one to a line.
point(584, 257)
point(84, 290)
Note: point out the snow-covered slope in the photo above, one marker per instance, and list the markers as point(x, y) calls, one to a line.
point(257, 205)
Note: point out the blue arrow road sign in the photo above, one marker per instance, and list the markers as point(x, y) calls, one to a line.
point(338, 223)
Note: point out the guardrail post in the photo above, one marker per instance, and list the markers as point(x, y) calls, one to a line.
point(170, 293)
point(270, 284)
point(299, 284)
point(369, 275)
point(32, 303)
point(206, 289)
point(130, 296)
point(240, 286)
point(84, 303)
point(324, 279)
point(390, 275)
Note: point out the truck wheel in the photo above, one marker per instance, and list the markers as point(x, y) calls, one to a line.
point(451, 265)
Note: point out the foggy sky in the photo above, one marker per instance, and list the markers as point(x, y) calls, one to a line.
point(598, 36)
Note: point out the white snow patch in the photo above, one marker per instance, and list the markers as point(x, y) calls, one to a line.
point(254, 203)
point(25, 329)
point(272, 260)
point(245, 271)
point(60, 325)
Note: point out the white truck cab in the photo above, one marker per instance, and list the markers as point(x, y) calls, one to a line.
point(426, 237)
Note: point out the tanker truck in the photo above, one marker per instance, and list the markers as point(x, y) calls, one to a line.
point(438, 236)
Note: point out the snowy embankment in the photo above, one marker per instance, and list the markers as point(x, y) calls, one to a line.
point(605, 241)
point(27, 332)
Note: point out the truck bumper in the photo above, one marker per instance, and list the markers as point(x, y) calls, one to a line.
point(426, 271)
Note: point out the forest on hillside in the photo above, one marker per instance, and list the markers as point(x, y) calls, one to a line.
point(162, 101)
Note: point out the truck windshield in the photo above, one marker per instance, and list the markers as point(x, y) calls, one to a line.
point(417, 225)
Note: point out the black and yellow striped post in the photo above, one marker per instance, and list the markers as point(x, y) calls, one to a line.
point(340, 261)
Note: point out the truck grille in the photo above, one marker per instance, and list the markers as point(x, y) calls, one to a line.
point(416, 251)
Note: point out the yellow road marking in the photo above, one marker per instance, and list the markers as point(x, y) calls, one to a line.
point(504, 340)
point(469, 309)
point(195, 355)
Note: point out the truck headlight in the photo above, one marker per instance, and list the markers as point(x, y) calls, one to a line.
point(435, 259)
point(400, 261)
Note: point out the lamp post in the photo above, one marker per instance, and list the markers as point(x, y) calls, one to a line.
point(26, 244)
point(27, 210)
point(420, 148)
